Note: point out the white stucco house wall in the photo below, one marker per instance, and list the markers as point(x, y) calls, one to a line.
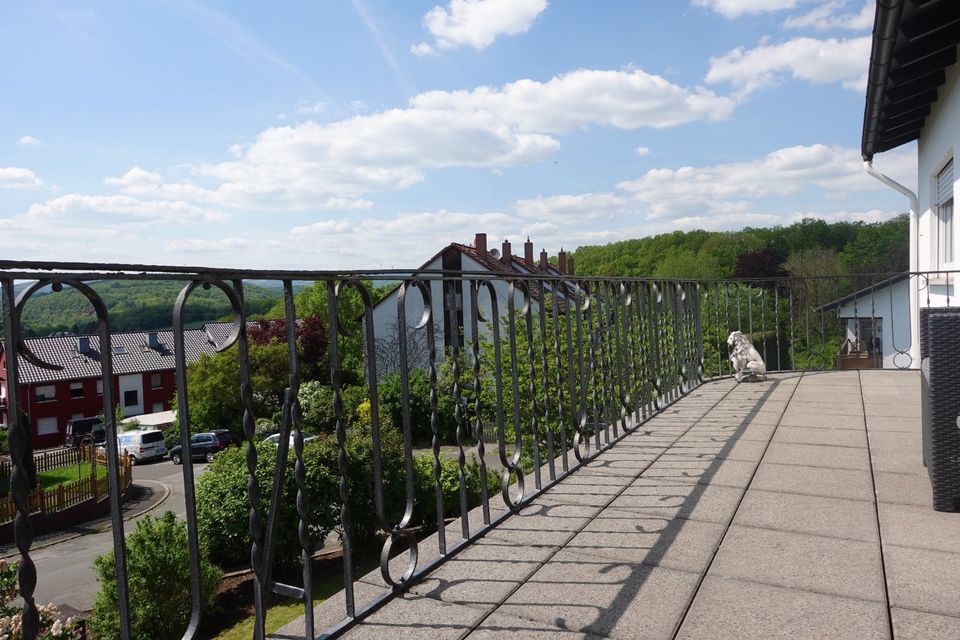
point(912, 94)
point(451, 305)
point(876, 323)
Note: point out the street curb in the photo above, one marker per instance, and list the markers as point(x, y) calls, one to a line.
point(99, 529)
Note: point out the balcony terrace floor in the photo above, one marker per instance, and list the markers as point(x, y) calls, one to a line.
point(794, 508)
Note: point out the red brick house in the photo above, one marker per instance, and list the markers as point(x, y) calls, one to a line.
point(143, 377)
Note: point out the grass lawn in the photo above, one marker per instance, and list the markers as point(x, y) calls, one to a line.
point(51, 478)
point(280, 614)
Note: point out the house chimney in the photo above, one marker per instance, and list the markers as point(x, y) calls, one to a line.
point(570, 265)
point(505, 256)
point(528, 251)
point(544, 259)
point(562, 260)
point(480, 244)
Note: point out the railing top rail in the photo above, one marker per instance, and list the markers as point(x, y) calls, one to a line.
point(24, 270)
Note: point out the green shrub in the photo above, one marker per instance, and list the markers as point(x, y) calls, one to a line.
point(158, 568)
point(425, 487)
point(391, 403)
point(223, 507)
point(316, 407)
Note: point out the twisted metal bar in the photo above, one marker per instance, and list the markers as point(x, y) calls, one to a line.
point(477, 393)
point(545, 368)
point(23, 476)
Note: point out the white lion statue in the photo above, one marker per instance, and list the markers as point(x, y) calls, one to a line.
point(746, 360)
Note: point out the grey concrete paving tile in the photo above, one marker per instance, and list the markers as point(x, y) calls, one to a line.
point(815, 455)
point(733, 449)
point(727, 473)
point(851, 409)
point(500, 625)
point(328, 613)
point(726, 609)
point(417, 618)
point(919, 625)
point(909, 443)
point(544, 524)
point(603, 597)
point(901, 488)
point(686, 545)
point(853, 437)
point(923, 579)
point(484, 573)
point(801, 561)
point(893, 461)
point(817, 515)
point(893, 423)
point(836, 483)
point(650, 497)
point(821, 421)
point(894, 410)
point(920, 527)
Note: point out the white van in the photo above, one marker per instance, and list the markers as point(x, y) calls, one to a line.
point(141, 444)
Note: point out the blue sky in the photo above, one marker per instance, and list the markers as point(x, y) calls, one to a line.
point(369, 133)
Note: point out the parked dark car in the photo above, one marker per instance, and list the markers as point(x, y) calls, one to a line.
point(204, 446)
point(85, 430)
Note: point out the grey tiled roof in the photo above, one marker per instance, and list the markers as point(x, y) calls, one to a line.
point(130, 353)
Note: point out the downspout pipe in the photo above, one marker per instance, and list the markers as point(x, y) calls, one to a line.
point(914, 258)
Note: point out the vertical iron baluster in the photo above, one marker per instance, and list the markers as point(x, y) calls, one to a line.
point(531, 390)
point(425, 292)
point(726, 304)
point(698, 344)
point(458, 412)
point(183, 415)
point(776, 319)
point(333, 324)
point(763, 318)
point(793, 343)
point(628, 392)
point(582, 290)
point(510, 465)
point(23, 475)
point(545, 365)
point(653, 327)
point(646, 375)
point(559, 287)
point(257, 544)
point(605, 367)
point(621, 396)
point(477, 393)
point(590, 308)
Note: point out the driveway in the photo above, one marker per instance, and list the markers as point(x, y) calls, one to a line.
point(65, 574)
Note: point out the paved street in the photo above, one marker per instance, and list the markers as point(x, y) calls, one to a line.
point(65, 569)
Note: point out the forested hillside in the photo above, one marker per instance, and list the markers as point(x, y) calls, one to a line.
point(810, 247)
point(133, 306)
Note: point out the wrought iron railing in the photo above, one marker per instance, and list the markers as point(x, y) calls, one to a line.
point(557, 368)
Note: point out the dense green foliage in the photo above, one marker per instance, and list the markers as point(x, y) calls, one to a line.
point(134, 306)
point(861, 248)
point(158, 568)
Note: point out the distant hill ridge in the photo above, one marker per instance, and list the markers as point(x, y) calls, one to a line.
point(141, 305)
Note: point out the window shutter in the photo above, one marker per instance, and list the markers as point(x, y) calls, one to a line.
point(945, 184)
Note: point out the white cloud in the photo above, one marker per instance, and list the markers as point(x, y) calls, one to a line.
point(19, 178)
point(206, 246)
point(833, 15)
point(569, 208)
point(817, 61)
point(135, 177)
point(324, 227)
point(742, 187)
point(642, 151)
point(29, 141)
point(330, 165)
point(737, 8)
point(477, 23)
point(134, 209)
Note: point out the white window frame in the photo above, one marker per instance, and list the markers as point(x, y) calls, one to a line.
point(156, 380)
point(945, 218)
point(44, 426)
point(40, 393)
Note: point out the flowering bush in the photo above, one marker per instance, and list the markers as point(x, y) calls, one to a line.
point(51, 626)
